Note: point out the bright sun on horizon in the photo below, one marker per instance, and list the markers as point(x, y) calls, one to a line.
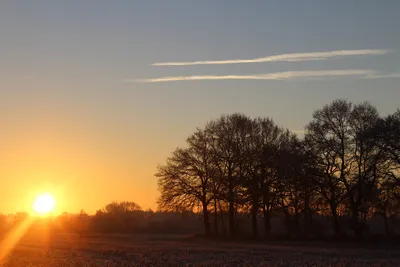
point(44, 204)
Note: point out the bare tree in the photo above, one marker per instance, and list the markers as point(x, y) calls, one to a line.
point(259, 176)
point(186, 179)
point(229, 135)
point(384, 136)
point(328, 138)
point(348, 162)
point(362, 162)
point(272, 139)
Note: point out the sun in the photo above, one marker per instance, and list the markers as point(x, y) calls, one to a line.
point(44, 204)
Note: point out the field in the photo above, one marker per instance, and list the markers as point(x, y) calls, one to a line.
point(156, 250)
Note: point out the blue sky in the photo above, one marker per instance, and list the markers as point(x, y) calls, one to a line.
point(75, 71)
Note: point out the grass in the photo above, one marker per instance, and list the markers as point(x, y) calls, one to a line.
point(161, 250)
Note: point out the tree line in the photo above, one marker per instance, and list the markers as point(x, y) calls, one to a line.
point(124, 217)
point(346, 165)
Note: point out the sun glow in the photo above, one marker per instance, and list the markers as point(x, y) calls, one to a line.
point(44, 204)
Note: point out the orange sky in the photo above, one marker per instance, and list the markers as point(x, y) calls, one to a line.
point(82, 167)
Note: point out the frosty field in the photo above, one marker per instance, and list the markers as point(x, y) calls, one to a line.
point(151, 250)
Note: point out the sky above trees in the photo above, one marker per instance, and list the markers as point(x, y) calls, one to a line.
point(85, 114)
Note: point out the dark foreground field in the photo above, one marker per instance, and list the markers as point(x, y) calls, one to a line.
point(147, 250)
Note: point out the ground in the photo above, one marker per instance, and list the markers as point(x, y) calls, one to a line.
point(158, 250)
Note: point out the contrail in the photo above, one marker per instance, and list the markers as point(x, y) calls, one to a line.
point(382, 76)
point(287, 75)
point(283, 57)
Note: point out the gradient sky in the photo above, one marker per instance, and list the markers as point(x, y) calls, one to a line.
point(81, 118)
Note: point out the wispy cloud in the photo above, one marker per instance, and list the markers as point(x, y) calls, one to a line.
point(283, 57)
point(382, 76)
point(287, 75)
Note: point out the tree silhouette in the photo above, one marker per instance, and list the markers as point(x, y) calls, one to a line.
point(348, 163)
point(229, 136)
point(271, 139)
point(186, 179)
point(120, 207)
point(328, 138)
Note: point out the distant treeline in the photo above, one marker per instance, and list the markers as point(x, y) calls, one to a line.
point(115, 218)
point(347, 166)
point(126, 218)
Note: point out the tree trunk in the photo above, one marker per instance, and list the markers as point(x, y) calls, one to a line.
point(336, 225)
point(386, 224)
point(296, 221)
point(356, 224)
point(287, 224)
point(254, 219)
point(206, 220)
point(266, 211)
point(215, 218)
point(385, 220)
point(267, 221)
point(231, 210)
point(222, 219)
point(307, 213)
